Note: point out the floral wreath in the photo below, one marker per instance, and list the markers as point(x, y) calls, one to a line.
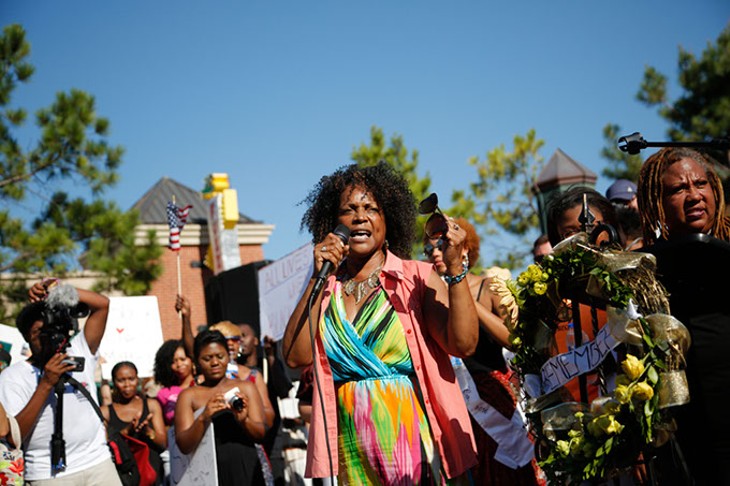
point(580, 441)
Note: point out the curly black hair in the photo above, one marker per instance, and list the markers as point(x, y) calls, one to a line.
point(388, 187)
point(163, 362)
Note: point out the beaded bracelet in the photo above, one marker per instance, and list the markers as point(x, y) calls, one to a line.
point(458, 278)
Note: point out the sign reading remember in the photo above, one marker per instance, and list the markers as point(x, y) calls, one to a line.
point(281, 285)
point(133, 333)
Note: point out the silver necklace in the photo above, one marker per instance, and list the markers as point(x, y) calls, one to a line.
point(362, 288)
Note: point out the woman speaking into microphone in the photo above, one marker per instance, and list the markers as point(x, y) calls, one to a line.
point(386, 405)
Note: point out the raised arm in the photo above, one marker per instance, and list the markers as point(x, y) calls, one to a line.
point(296, 343)
point(449, 311)
point(182, 305)
point(96, 322)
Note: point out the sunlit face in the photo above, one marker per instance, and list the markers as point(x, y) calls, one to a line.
point(361, 213)
point(432, 250)
point(687, 198)
point(249, 341)
point(233, 344)
point(34, 338)
point(182, 366)
point(213, 361)
point(126, 381)
point(568, 223)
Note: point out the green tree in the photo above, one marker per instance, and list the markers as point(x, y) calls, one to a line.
point(502, 201)
point(701, 112)
point(500, 204)
point(71, 147)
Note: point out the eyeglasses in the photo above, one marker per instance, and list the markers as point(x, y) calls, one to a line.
point(436, 226)
point(429, 247)
point(233, 338)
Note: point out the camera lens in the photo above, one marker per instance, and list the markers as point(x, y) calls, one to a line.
point(236, 403)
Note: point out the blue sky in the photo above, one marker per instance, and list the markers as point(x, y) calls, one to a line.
point(277, 94)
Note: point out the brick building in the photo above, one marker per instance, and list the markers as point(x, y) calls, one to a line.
point(194, 275)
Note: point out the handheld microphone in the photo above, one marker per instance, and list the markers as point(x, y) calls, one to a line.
point(344, 233)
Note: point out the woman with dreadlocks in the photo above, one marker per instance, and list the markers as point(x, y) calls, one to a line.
point(680, 194)
point(682, 206)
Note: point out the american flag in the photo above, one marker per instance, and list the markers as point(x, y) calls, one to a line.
point(176, 219)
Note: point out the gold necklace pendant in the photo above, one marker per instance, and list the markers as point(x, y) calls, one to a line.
point(360, 289)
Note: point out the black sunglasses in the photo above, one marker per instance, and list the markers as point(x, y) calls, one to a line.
point(429, 247)
point(436, 226)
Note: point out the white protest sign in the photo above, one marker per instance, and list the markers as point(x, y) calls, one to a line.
point(281, 284)
point(133, 333)
point(198, 468)
point(11, 336)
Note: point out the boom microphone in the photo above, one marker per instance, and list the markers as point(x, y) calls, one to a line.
point(344, 233)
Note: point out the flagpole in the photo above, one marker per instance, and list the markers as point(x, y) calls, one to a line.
point(179, 276)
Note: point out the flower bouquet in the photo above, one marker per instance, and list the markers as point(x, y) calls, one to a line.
point(579, 441)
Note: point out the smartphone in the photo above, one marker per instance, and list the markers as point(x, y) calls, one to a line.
point(77, 361)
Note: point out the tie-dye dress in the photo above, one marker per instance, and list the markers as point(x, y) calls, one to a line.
point(384, 436)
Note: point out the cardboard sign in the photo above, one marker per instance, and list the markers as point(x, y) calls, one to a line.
point(12, 341)
point(281, 285)
point(198, 468)
point(133, 333)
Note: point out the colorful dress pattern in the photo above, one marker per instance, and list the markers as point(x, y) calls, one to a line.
point(384, 435)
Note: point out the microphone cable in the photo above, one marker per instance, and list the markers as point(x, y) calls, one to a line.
point(310, 302)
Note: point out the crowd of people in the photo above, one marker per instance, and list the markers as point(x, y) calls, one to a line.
point(402, 364)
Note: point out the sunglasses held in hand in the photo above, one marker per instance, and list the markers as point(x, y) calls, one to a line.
point(436, 226)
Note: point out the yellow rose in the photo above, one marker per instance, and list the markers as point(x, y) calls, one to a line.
point(632, 366)
point(609, 425)
point(540, 288)
point(642, 391)
point(563, 448)
point(534, 272)
point(523, 279)
point(622, 394)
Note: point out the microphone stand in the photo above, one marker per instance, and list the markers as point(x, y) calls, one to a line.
point(634, 143)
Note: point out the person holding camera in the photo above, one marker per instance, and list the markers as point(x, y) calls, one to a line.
point(233, 406)
point(64, 441)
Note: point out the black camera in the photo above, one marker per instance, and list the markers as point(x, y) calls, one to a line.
point(77, 361)
point(61, 312)
point(234, 400)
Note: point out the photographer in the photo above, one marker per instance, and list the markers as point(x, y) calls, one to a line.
point(30, 390)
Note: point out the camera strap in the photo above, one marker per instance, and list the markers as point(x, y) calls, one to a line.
point(58, 445)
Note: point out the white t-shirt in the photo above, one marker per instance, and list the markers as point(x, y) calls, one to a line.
point(83, 431)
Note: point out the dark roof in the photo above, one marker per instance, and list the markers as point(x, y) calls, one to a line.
point(561, 169)
point(152, 206)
